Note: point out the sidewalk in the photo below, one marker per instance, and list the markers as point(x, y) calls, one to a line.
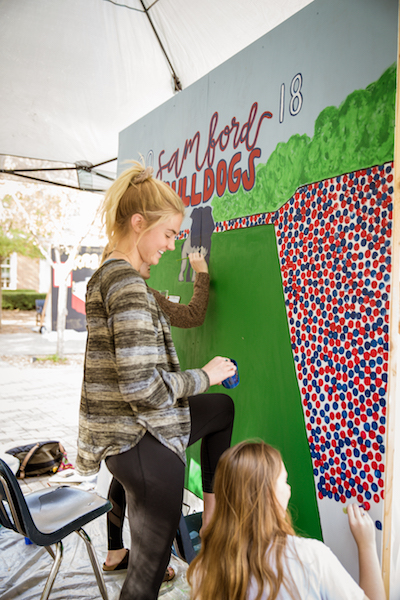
point(41, 344)
point(39, 400)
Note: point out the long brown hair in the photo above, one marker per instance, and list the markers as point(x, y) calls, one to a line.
point(247, 534)
point(136, 191)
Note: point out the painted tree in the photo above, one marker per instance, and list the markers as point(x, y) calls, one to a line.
point(57, 222)
point(356, 135)
point(13, 239)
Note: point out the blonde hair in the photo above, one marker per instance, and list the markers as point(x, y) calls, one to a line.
point(247, 534)
point(136, 191)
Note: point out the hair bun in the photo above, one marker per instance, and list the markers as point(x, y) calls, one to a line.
point(143, 175)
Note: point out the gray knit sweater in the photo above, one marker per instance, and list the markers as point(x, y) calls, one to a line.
point(132, 380)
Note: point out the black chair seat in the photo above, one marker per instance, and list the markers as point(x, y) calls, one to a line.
point(47, 516)
point(57, 512)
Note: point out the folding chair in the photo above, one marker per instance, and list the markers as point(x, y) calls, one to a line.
point(46, 517)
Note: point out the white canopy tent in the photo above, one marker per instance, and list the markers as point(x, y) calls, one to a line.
point(74, 74)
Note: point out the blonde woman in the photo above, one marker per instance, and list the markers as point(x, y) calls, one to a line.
point(250, 552)
point(135, 408)
point(183, 316)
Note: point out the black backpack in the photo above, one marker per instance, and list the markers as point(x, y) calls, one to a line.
point(38, 459)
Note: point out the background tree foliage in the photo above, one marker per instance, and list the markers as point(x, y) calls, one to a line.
point(13, 238)
point(357, 135)
point(55, 221)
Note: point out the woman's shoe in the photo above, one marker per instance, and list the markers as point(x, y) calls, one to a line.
point(169, 574)
point(121, 566)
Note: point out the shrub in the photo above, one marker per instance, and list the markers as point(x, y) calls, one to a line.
point(20, 299)
point(356, 135)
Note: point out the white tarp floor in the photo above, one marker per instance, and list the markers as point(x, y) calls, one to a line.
point(25, 568)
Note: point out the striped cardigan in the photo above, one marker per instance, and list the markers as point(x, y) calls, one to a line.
point(132, 380)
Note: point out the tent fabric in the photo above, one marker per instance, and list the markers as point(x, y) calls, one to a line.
point(74, 74)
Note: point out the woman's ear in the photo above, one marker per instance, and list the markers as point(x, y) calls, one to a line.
point(137, 223)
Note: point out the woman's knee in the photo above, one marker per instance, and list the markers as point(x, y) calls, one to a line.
point(227, 406)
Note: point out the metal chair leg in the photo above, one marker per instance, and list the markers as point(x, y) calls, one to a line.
point(95, 563)
point(51, 552)
point(53, 572)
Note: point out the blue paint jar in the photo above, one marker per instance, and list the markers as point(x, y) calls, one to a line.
point(232, 382)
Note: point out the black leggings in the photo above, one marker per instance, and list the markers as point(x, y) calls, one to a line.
point(151, 477)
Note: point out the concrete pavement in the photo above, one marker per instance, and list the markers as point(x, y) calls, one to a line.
point(41, 344)
point(39, 402)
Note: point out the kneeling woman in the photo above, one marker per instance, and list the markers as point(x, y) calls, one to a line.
point(250, 551)
point(135, 408)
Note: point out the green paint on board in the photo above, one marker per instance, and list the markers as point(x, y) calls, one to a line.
point(246, 320)
point(194, 482)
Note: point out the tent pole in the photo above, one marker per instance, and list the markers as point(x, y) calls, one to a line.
point(177, 83)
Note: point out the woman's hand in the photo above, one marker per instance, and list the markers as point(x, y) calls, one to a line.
point(218, 369)
point(361, 526)
point(198, 262)
point(363, 529)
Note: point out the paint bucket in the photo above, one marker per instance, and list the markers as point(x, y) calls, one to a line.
point(232, 382)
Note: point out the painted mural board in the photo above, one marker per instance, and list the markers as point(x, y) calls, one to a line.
point(284, 158)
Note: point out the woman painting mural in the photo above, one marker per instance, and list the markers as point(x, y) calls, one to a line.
point(139, 411)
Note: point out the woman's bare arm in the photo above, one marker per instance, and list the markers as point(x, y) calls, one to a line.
point(363, 529)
